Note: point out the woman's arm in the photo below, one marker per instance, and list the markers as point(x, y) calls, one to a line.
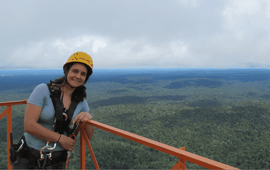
point(32, 114)
point(83, 117)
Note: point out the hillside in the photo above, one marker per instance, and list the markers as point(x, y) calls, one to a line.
point(224, 120)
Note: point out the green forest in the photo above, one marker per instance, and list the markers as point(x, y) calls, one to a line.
point(226, 121)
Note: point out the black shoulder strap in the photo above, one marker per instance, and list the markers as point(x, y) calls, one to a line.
point(70, 113)
point(60, 124)
point(55, 93)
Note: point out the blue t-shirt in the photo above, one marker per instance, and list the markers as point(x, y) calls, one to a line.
point(41, 97)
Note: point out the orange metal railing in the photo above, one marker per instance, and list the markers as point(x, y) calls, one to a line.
point(8, 112)
point(180, 153)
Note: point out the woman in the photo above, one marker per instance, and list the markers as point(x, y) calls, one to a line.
point(40, 115)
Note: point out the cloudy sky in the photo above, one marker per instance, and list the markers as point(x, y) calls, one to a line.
point(135, 33)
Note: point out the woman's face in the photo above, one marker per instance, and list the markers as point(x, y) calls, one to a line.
point(77, 75)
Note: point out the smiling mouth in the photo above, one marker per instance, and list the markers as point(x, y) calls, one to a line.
point(78, 81)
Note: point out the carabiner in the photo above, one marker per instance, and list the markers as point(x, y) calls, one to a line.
point(52, 148)
point(70, 154)
point(20, 145)
point(49, 155)
point(66, 116)
point(47, 146)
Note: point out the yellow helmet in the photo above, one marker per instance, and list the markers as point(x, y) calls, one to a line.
point(81, 57)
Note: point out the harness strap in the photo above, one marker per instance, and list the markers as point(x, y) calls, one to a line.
point(55, 93)
point(70, 113)
point(44, 163)
point(62, 122)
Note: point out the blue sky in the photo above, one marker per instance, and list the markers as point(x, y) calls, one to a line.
point(136, 33)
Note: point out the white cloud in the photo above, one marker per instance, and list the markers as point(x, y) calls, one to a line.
point(136, 33)
point(245, 16)
point(52, 53)
point(98, 44)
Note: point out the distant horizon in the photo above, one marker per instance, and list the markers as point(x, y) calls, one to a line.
point(142, 68)
point(11, 79)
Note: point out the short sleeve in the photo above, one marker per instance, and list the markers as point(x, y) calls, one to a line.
point(85, 106)
point(37, 97)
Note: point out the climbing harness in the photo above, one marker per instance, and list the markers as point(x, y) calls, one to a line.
point(62, 120)
point(61, 125)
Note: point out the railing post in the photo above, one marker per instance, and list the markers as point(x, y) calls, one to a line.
point(83, 133)
point(181, 165)
point(82, 152)
point(9, 130)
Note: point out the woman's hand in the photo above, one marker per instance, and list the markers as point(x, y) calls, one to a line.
point(82, 117)
point(67, 142)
